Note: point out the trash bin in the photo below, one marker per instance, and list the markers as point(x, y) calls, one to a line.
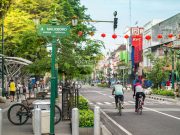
point(44, 105)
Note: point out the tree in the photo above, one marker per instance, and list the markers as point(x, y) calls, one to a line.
point(158, 73)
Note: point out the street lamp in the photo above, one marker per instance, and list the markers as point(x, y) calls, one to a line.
point(74, 21)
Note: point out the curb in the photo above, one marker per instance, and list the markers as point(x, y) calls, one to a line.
point(162, 98)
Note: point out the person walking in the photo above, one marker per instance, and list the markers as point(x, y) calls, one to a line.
point(30, 85)
point(12, 89)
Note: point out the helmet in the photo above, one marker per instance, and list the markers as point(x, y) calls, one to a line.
point(118, 82)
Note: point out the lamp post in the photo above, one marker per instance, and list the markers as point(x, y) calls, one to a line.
point(172, 68)
point(2, 49)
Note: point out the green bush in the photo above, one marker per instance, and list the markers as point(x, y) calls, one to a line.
point(163, 92)
point(83, 103)
point(103, 85)
point(86, 118)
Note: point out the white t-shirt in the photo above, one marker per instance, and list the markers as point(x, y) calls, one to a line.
point(139, 88)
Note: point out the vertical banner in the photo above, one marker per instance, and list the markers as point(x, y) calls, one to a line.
point(137, 44)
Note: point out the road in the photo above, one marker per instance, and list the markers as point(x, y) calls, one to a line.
point(158, 118)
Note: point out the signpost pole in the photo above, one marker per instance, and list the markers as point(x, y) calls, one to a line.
point(53, 81)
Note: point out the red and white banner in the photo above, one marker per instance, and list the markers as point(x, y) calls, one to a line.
point(137, 41)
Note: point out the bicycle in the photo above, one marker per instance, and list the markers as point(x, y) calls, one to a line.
point(119, 105)
point(19, 113)
point(140, 105)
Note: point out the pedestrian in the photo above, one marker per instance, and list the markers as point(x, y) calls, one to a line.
point(24, 90)
point(12, 89)
point(30, 85)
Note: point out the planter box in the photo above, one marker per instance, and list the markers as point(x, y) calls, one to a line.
point(86, 130)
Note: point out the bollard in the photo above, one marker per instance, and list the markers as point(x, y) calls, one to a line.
point(1, 118)
point(37, 121)
point(75, 121)
point(96, 120)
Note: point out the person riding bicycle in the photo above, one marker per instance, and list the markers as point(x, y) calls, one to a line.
point(118, 92)
point(138, 90)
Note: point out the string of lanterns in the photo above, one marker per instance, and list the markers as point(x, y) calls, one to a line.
point(114, 36)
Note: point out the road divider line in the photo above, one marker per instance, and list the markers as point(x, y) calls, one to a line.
point(162, 113)
point(107, 103)
point(114, 122)
point(99, 103)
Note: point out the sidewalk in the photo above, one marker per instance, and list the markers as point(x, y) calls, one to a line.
point(62, 128)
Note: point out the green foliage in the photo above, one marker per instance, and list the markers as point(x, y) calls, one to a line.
point(83, 103)
point(21, 39)
point(157, 74)
point(163, 92)
point(103, 85)
point(4, 7)
point(86, 118)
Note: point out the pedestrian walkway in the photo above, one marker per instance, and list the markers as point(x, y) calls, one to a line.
point(62, 128)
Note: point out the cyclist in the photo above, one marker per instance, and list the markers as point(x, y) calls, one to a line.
point(119, 93)
point(138, 90)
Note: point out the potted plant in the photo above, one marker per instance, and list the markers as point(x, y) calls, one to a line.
point(86, 122)
point(86, 117)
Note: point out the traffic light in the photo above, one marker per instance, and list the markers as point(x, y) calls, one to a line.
point(115, 22)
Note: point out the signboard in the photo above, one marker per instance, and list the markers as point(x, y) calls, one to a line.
point(176, 44)
point(123, 67)
point(57, 30)
point(137, 44)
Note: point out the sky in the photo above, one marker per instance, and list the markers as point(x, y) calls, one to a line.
point(142, 11)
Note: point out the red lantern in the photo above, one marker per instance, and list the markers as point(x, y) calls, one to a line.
point(126, 36)
point(159, 36)
point(114, 36)
point(80, 33)
point(170, 35)
point(103, 35)
point(148, 37)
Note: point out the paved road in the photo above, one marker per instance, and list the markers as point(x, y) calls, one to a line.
point(158, 118)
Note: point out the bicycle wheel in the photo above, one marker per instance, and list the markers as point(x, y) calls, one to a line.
point(140, 107)
point(57, 114)
point(18, 114)
point(119, 107)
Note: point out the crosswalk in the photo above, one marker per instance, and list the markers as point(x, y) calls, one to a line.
point(126, 103)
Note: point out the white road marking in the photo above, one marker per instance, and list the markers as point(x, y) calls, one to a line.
point(99, 103)
point(91, 103)
point(132, 102)
point(111, 96)
point(114, 122)
point(162, 113)
point(107, 103)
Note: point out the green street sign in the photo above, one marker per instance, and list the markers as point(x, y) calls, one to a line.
point(50, 30)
